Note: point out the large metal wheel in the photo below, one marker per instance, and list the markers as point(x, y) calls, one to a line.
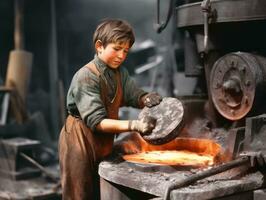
point(234, 80)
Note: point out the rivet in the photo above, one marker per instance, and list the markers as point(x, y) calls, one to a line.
point(243, 69)
point(218, 85)
point(232, 64)
point(232, 112)
point(246, 100)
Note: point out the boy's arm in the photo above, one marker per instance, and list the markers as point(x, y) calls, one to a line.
point(86, 96)
point(143, 126)
point(113, 126)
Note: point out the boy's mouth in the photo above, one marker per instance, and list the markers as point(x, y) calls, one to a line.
point(117, 62)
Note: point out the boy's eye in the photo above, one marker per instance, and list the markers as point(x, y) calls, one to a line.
point(119, 49)
point(116, 49)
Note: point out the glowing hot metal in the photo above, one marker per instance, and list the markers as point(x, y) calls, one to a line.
point(184, 158)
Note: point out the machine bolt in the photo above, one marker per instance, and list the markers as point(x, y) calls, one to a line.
point(243, 69)
point(218, 85)
point(221, 100)
point(232, 112)
point(199, 67)
point(232, 84)
point(246, 100)
point(247, 82)
point(233, 64)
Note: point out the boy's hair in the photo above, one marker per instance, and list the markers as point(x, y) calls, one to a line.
point(112, 31)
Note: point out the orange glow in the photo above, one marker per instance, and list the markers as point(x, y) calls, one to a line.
point(183, 158)
point(179, 152)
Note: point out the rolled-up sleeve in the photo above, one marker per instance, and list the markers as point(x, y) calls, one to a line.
point(131, 91)
point(87, 98)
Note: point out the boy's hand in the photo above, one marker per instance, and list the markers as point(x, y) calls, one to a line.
point(143, 126)
point(152, 99)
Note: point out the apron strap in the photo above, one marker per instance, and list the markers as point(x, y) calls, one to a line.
point(93, 68)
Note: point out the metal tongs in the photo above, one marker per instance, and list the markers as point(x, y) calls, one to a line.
point(245, 158)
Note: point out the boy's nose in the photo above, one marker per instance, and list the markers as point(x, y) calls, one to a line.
point(121, 54)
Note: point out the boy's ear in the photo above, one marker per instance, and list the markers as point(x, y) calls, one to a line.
point(98, 45)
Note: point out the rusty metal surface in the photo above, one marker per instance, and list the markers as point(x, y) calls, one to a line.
point(226, 11)
point(169, 114)
point(255, 135)
point(37, 188)
point(19, 144)
point(145, 167)
point(12, 165)
point(155, 182)
point(233, 83)
point(235, 142)
point(206, 173)
point(260, 194)
point(110, 191)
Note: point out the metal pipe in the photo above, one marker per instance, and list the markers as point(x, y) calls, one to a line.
point(19, 25)
point(53, 72)
point(158, 11)
point(215, 170)
point(206, 9)
point(40, 167)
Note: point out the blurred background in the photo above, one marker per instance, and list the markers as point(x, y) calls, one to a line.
point(58, 35)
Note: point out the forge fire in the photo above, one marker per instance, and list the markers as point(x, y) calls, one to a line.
point(192, 152)
point(176, 158)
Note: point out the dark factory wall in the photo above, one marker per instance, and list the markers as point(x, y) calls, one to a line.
point(75, 23)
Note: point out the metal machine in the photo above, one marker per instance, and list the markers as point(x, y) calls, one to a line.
point(228, 39)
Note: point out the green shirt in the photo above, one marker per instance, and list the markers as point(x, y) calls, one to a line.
point(84, 95)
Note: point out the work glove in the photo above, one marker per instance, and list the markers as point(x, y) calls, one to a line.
point(152, 99)
point(143, 126)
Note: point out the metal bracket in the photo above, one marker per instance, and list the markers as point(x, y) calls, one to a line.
point(208, 15)
point(4, 108)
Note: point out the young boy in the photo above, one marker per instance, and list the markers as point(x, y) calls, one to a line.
point(96, 92)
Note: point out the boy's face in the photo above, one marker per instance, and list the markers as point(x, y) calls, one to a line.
point(113, 54)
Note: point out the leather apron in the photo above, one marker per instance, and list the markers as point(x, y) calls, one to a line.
point(80, 149)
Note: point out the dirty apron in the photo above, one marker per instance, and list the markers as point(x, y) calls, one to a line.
point(80, 150)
